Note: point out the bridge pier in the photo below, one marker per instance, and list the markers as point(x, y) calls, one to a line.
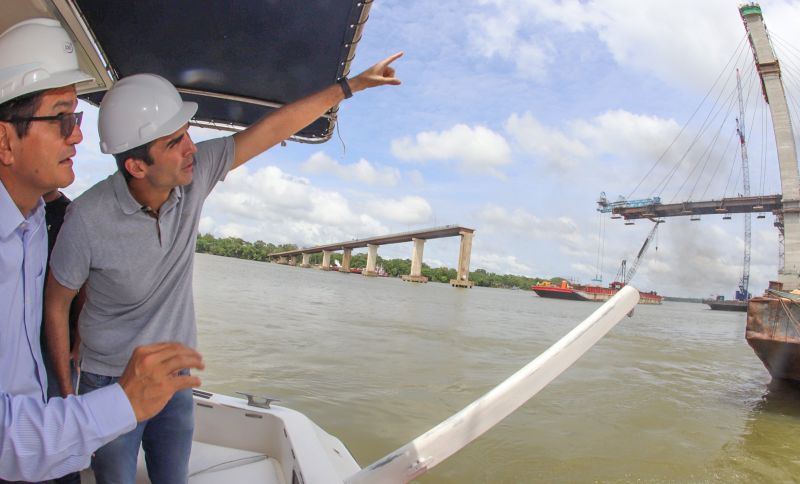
point(372, 259)
point(464, 252)
point(306, 260)
point(346, 260)
point(283, 260)
point(416, 262)
point(326, 260)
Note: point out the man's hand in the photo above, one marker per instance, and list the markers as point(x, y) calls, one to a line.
point(378, 75)
point(151, 377)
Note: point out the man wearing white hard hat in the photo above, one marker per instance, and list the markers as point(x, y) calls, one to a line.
point(39, 129)
point(131, 240)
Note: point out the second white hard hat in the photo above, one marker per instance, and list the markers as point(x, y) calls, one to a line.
point(139, 109)
point(35, 55)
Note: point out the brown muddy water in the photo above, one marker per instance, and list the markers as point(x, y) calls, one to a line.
point(673, 394)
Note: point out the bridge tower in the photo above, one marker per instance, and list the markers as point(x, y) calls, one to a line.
point(770, 72)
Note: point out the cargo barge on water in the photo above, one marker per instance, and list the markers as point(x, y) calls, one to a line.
point(579, 292)
point(719, 304)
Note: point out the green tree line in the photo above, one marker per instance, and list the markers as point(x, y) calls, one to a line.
point(260, 251)
point(236, 247)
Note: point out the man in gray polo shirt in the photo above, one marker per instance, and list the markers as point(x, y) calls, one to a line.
point(131, 240)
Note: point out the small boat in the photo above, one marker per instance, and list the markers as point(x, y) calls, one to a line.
point(250, 441)
point(579, 292)
point(721, 304)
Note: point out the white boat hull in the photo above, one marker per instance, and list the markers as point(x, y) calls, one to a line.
point(238, 443)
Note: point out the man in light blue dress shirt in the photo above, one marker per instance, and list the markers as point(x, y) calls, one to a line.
point(39, 129)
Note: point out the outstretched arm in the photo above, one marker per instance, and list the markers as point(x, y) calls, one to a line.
point(291, 118)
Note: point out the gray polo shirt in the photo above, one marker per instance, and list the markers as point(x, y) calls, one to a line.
point(138, 269)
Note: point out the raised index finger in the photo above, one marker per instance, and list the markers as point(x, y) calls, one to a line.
point(390, 59)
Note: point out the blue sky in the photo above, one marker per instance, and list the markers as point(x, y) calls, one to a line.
point(512, 117)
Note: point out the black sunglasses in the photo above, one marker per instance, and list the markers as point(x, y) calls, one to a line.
point(66, 121)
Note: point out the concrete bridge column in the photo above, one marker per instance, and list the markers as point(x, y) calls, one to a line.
point(306, 260)
point(770, 71)
point(464, 252)
point(416, 262)
point(372, 259)
point(292, 260)
point(346, 260)
point(283, 260)
point(326, 260)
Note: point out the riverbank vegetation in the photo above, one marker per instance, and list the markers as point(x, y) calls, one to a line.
point(260, 251)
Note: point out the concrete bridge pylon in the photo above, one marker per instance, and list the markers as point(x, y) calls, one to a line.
point(464, 253)
point(372, 259)
point(416, 262)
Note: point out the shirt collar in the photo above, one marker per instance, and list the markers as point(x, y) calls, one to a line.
point(129, 205)
point(11, 217)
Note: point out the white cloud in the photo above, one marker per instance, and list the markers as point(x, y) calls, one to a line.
point(522, 223)
point(670, 40)
point(409, 210)
point(501, 264)
point(500, 36)
point(362, 171)
point(584, 142)
point(274, 206)
point(415, 177)
point(554, 147)
point(271, 205)
point(625, 134)
point(478, 150)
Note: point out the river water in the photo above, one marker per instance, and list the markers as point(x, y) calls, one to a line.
point(673, 394)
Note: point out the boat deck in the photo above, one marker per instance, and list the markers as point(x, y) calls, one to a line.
point(236, 442)
point(211, 464)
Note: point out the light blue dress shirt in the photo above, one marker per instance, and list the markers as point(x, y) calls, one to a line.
point(40, 440)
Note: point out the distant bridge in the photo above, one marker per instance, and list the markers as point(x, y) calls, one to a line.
point(418, 237)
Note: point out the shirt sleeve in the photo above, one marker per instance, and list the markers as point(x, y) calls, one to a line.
point(71, 256)
point(213, 161)
point(41, 441)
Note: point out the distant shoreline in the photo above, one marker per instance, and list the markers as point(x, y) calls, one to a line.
point(683, 299)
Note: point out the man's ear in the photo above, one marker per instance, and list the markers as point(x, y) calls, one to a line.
point(137, 168)
point(6, 154)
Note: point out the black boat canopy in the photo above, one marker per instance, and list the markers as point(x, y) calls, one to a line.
point(238, 59)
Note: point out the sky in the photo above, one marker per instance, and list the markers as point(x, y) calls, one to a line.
point(512, 117)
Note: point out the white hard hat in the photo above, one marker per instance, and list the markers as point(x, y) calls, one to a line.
point(35, 55)
point(139, 109)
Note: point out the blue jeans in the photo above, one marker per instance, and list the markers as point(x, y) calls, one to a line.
point(165, 438)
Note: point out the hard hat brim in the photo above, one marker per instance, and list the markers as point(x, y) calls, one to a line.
point(184, 115)
point(54, 81)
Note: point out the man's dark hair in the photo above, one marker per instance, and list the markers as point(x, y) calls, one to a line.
point(21, 107)
point(139, 153)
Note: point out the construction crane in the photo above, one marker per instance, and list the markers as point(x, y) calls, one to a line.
point(742, 294)
point(625, 274)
